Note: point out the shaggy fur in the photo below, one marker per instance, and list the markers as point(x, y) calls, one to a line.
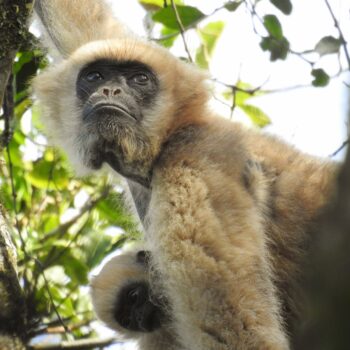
point(105, 286)
point(228, 213)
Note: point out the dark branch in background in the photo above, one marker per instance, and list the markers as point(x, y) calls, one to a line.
point(8, 112)
point(83, 344)
point(41, 267)
point(341, 35)
point(182, 29)
point(343, 145)
point(5, 71)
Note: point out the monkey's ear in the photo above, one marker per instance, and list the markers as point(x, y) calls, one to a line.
point(143, 257)
point(70, 24)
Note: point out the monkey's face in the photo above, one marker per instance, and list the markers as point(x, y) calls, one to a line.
point(116, 102)
point(135, 310)
point(113, 97)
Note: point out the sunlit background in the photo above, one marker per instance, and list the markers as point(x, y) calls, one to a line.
point(312, 119)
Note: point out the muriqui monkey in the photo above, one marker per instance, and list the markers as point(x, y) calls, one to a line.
point(227, 237)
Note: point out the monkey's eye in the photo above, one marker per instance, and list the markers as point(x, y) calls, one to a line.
point(139, 78)
point(133, 295)
point(94, 76)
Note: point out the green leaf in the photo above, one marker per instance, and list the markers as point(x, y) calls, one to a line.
point(16, 155)
point(188, 15)
point(328, 45)
point(273, 26)
point(202, 57)
point(278, 48)
point(22, 107)
point(210, 35)
point(283, 5)
point(111, 209)
point(156, 4)
point(256, 115)
point(47, 175)
point(321, 77)
point(74, 268)
point(232, 5)
point(21, 59)
point(170, 35)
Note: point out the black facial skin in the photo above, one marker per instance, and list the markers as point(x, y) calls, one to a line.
point(135, 310)
point(113, 96)
point(126, 87)
point(143, 257)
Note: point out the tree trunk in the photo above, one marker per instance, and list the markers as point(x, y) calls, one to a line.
point(12, 309)
point(327, 284)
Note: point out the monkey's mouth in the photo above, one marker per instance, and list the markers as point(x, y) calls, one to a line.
point(108, 108)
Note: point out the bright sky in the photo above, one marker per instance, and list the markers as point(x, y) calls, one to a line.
point(312, 119)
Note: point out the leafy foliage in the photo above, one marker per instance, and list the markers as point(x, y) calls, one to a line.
point(62, 223)
point(188, 15)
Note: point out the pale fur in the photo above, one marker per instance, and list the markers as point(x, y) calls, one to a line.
point(116, 273)
point(228, 243)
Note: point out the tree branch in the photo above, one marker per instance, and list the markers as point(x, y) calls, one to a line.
point(341, 35)
point(13, 34)
point(182, 30)
point(83, 344)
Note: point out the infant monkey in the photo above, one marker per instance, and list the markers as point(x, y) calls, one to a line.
point(124, 298)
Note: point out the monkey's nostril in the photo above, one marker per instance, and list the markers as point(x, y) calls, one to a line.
point(117, 91)
point(105, 92)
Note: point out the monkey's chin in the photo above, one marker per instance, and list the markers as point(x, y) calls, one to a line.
point(152, 323)
point(104, 109)
point(128, 172)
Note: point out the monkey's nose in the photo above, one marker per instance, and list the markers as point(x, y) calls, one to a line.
point(111, 92)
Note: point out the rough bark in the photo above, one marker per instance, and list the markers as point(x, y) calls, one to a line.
point(12, 309)
point(13, 34)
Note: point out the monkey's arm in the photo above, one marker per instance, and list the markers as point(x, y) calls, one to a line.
point(70, 24)
point(213, 262)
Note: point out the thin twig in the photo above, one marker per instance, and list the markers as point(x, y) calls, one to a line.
point(343, 145)
point(86, 208)
point(341, 35)
point(14, 200)
point(41, 267)
point(81, 344)
point(182, 30)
